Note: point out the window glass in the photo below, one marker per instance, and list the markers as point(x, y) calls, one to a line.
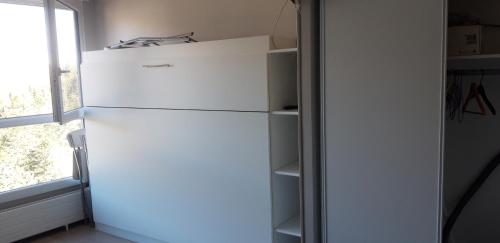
point(40, 153)
point(24, 62)
point(35, 154)
point(68, 56)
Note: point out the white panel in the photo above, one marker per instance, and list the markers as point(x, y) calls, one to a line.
point(181, 176)
point(31, 219)
point(383, 67)
point(223, 75)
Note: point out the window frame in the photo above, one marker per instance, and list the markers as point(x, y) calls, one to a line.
point(58, 112)
point(58, 115)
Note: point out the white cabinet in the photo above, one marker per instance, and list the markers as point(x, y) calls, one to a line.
point(178, 77)
point(179, 141)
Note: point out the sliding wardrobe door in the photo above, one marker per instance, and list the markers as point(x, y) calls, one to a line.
point(382, 83)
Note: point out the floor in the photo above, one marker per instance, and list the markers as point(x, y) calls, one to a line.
point(77, 234)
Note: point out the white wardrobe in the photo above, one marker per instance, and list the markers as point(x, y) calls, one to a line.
point(183, 142)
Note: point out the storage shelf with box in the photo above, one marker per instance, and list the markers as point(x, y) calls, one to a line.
point(473, 40)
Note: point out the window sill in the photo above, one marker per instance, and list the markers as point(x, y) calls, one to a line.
point(14, 198)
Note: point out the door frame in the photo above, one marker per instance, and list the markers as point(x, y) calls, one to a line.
point(309, 121)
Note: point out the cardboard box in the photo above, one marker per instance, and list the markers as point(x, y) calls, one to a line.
point(473, 40)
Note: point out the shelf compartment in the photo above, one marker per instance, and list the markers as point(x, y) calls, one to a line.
point(290, 227)
point(294, 112)
point(291, 169)
point(475, 57)
point(489, 61)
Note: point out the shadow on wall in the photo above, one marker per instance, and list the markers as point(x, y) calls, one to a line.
point(108, 21)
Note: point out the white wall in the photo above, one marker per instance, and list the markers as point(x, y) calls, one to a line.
point(115, 20)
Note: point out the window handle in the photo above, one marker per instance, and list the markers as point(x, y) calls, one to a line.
point(64, 71)
point(157, 66)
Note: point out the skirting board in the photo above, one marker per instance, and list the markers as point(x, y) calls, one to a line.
point(41, 216)
point(126, 234)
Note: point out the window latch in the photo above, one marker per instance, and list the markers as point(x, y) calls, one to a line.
point(64, 71)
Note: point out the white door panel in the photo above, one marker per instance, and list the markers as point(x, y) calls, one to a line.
point(176, 77)
point(181, 176)
point(211, 83)
point(383, 78)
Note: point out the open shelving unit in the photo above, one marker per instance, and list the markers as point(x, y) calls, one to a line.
point(290, 227)
point(284, 137)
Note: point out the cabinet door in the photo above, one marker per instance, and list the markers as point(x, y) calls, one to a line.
point(181, 176)
point(383, 76)
point(214, 81)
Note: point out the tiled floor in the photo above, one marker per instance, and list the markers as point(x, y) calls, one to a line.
point(76, 234)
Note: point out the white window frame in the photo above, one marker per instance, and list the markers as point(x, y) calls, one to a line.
point(58, 115)
point(55, 71)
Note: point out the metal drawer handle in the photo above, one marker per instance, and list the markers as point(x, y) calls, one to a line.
point(157, 66)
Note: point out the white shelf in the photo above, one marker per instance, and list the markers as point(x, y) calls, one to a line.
point(282, 50)
point(290, 227)
point(490, 61)
point(474, 57)
point(291, 169)
point(294, 112)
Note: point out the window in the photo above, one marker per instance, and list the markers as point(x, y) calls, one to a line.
point(24, 76)
point(69, 60)
point(40, 93)
point(35, 154)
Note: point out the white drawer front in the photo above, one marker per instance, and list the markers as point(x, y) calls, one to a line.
point(211, 82)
